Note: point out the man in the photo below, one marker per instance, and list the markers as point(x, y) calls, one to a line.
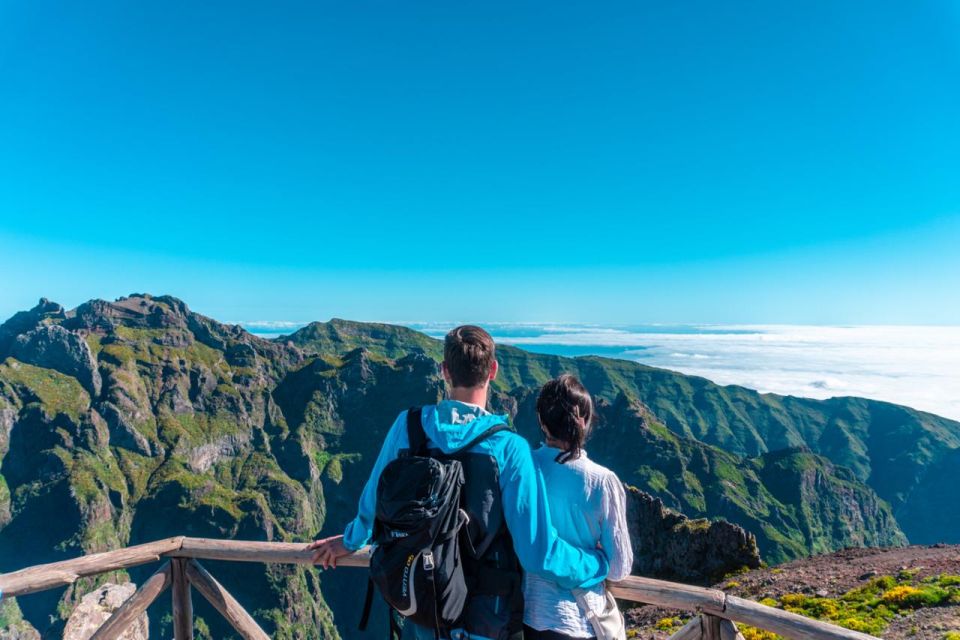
point(509, 523)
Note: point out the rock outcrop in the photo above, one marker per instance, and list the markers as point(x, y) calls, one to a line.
point(53, 347)
point(24, 321)
point(12, 624)
point(94, 609)
point(671, 546)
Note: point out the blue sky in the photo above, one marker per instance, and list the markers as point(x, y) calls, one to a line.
point(623, 162)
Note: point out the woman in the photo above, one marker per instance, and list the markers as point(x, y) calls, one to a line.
point(587, 505)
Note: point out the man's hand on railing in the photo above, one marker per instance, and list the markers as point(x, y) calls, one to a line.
point(328, 550)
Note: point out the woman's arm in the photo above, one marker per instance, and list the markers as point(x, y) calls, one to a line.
point(614, 535)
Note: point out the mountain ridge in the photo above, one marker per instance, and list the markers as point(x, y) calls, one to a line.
point(737, 419)
point(201, 428)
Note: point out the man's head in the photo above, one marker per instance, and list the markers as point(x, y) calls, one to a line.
point(469, 357)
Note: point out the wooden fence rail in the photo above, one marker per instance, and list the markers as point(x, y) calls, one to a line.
point(716, 611)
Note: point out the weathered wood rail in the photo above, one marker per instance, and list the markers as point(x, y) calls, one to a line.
point(717, 612)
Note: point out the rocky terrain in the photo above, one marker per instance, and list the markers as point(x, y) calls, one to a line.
point(128, 421)
point(91, 611)
point(910, 592)
point(96, 607)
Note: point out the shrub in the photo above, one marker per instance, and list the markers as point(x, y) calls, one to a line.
point(667, 624)
point(752, 633)
point(824, 608)
point(861, 625)
point(794, 600)
point(884, 582)
point(905, 596)
point(906, 575)
point(899, 595)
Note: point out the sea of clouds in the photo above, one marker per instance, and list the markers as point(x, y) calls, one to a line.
point(914, 366)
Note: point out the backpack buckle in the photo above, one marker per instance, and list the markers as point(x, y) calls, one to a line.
point(428, 560)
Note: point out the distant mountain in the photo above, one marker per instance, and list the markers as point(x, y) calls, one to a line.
point(889, 448)
point(127, 421)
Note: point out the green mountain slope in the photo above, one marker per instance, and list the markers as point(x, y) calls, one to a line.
point(794, 501)
point(132, 420)
point(173, 438)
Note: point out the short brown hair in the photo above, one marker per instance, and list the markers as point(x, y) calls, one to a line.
point(469, 354)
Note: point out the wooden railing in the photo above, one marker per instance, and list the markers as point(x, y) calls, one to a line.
point(716, 612)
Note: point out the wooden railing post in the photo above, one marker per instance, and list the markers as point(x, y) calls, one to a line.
point(711, 627)
point(127, 613)
point(693, 630)
point(182, 602)
point(225, 603)
point(729, 631)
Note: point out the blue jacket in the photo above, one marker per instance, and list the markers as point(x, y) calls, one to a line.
point(449, 426)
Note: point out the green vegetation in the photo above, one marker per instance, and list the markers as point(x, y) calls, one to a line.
point(136, 469)
point(652, 479)
point(54, 392)
point(331, 464)
point(196, 428)
point(94, 342)
point(669, 625)
point(869, 608)
point(92, 473)
point(752, 633)
point(790, 500)
point(11, 618)
point(4, 494)
point(201, 630)
point(339, 337)
point(117, 353)
point(139, 334)
point(201, 490)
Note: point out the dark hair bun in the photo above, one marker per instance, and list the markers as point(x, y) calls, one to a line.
point(565, 409)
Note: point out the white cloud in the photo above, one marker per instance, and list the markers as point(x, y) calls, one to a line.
point(914, 366)
point(917, 366)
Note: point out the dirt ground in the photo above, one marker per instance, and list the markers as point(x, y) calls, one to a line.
point(831, 576)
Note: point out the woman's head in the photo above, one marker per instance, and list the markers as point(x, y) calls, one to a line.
point(565, 410)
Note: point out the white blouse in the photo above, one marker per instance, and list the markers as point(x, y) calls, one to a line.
point(588, 506)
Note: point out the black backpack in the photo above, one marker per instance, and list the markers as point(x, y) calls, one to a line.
point(417, 564)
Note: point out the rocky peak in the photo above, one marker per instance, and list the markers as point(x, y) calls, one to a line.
point(24, 321)
point(356, 367)
point(141, 311)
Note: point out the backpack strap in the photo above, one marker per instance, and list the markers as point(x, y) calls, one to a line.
point(483, 436)
point(415, 433)
point(367, 604)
